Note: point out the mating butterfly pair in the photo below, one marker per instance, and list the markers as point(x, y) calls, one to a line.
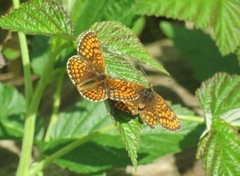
point(87, 72)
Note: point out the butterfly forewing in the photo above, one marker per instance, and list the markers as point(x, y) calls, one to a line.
point(87, 72)
point(79, 70)
point(166, 116)
point(89, 48)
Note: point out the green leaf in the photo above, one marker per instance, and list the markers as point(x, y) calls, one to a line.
point(81, 119)
point(200, 50)
point(105, 10)
point(119, 42)
point(92, 157)
point(159, 142)
point(220, 149)
point(106, 150)
point(86, 10)
point(221, 15)
point(39, 17)
point(220, 143)
point(12, 112)
point(11, 53)
point(40, 54)
point(219, 96)
point(129, 128)
point(121, 11)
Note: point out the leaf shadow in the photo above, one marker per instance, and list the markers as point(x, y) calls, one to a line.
point(185, 160)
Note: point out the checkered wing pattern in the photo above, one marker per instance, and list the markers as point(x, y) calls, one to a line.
point(79, 70)
point(123, 90)
point(165, 116)
point(89, 48)
point(152, 109)
point(96, 92)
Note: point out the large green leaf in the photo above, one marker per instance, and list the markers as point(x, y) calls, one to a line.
point(81, 119)
point(200, 50)
point(103, 148)
point(12, 112)
point(221, 15)
point(220, 143)
point(39, 17)
point(105, 10)
point(220, 149)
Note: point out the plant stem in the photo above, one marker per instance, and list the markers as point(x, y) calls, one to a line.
point(196, 119)
point(25, 158)
point(56, 104)
point(41, 165)
point(44, 163)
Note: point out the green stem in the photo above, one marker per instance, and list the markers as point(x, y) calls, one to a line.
point(56, 104)
point(196, 119)
point(29, 127)
point(44, 163)
point(44, 79)
point(25, 158)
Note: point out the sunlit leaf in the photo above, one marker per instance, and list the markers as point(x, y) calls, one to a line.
point(39, 17)
point(220, 149)
point(221, 15)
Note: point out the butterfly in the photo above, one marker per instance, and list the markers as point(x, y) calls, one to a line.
point(151, 108)
point(87, 72)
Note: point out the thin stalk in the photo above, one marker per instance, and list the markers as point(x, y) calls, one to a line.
point(196, 119)
point(25, 158)
point(37, 95)
point(44, 163)
point(56, 104)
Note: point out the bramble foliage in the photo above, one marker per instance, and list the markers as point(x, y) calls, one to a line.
point(83, 138)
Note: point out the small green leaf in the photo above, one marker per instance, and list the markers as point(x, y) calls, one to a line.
point(129, 128)
point(39, 17)
point(120, 42)
point(219, 95)
point(220, 149)
point(221, 15)
point(130, 134)
point(11, 53)
point(12, 113)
